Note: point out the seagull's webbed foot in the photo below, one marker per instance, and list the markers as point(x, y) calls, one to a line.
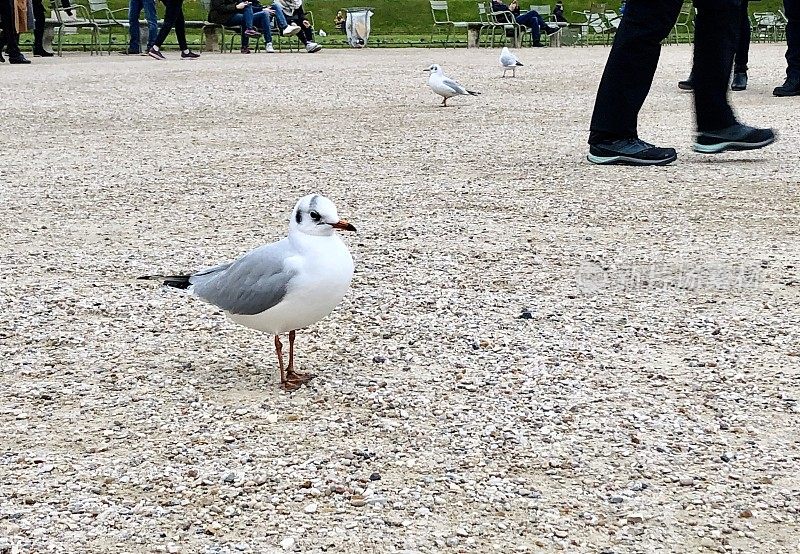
point(295, 376)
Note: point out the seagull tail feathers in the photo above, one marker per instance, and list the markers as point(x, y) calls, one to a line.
point(473, 93)
point(176, 281)
point(520, 63)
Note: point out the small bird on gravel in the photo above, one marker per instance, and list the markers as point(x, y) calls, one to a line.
point(283, 286)
point(509, 61)
point(444, 86)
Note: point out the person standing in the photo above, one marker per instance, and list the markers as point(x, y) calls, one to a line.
point(10, 38)
point(135, 8)
point(628, 75)
point(173, 17)
point(740, 58)
point(39, 17)
point(791, 87)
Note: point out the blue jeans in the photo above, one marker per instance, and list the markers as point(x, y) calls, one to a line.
point(247, 19)
point(279, 15)
point(134, 10)
point(534, 22)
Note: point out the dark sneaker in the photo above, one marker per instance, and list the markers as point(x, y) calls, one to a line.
point(630, 152)
point(790, 88)
point(130, 52)
point(739, 81)
point(245, 50)
point(688, 84)
point(18, 59)
point(537, 45)
point(156, 54)
point(551, 30)
point(735, 137)
point(42, 53)
point(252, 33)
point(189, 55)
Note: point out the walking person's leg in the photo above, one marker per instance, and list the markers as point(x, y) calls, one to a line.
point(10, 35)
point(180, 32)
point(134, 10)
point(38, 30)
point(741, 57)
point(716, 28)
point(151, 16)
point(626, 82)
point(792, 85)
point(173, 8)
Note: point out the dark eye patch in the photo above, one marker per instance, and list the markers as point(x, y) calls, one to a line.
point(298, 217)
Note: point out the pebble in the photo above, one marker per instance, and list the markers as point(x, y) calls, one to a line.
point(311, 508)
point(287, 543)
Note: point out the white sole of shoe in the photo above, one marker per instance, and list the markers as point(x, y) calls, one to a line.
point(730, 146)
point(625, 160)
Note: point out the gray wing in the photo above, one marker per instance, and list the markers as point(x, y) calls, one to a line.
point(252, 284)
point(508, 61)
point(455, 87)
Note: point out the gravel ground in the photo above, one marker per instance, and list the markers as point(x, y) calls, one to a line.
point(536, 355)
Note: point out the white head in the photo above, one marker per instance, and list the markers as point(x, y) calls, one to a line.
point(434, 69)
point(316, 215)
point(505, 50)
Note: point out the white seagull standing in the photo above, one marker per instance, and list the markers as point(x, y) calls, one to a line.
point(444, 86)
point(509, 61)
point(283, 286)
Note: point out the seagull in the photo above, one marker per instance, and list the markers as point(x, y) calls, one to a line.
point(444, 86)
point(282, 286)
point(509, 61)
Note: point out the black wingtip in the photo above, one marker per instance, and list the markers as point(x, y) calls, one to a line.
point(473, 93)
point(176, 281)
point(520, 63)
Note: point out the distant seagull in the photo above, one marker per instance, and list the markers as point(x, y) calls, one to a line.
point(283, 286)
point(509, 61)
point(444, 86)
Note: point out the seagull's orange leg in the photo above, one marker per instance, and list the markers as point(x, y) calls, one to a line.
point(279, 352)
point(291, 375)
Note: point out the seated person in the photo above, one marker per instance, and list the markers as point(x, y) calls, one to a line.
point(558, 12)
point(340, 21)
point(530, 19)
point(293, 10)
point(234, 13)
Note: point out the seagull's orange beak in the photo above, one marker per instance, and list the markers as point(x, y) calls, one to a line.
point(343, 225)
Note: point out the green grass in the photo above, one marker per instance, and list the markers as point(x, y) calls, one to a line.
point(411, 17)
point(395, 23)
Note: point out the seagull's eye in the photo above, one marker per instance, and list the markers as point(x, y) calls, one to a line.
point(314, 215)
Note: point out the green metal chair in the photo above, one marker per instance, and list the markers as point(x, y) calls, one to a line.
point(441, 18)
point(82, 20)
point(107, 18)
point(685, 21)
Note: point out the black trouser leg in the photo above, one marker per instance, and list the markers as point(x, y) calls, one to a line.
point(9, 29)
point(174, 7)
point(743, 43)
point(714, 44)
point(180, 28)
point(305, 35)
point(630, 68)
point(792, 9)
point(38, 24)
